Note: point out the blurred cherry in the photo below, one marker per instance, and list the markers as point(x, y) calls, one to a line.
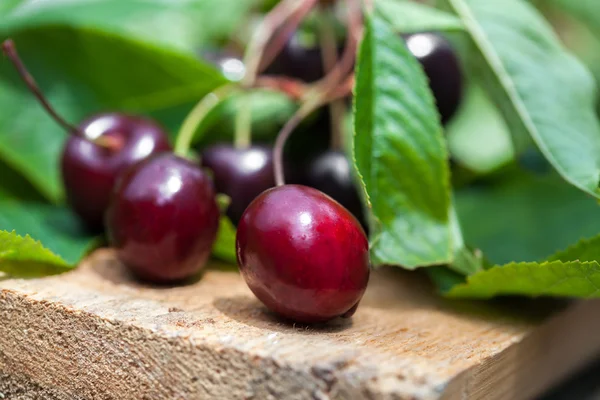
point(442, 67)
point(242, 174)
point(331, 173)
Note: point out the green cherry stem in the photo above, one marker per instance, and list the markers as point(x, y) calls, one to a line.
point(243, 123)
point(198, 114)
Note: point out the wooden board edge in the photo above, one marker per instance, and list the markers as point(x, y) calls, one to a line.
point(565, 343)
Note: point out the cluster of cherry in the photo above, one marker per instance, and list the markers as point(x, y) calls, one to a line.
point(301, 247)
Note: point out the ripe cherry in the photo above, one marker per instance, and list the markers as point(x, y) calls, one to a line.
point(331, 173)
point(89, 171)
point(163, 218)
point(97, 150)
point(303, 254)
point(442, 67)
point(241, 174)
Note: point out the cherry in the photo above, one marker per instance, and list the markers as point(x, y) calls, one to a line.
point(242, 174)
point(89, 171)
point(331, 173)
point(97, 150)
point(163, 218)
point(298, 61)
point(442, 67)
point(303, 254)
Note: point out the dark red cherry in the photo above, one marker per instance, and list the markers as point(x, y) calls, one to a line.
point(163, 218)
point(303, 254)
point(297, 60)
point(241, 174)
point(442, 67)
point(331, 173)
point(89, 170)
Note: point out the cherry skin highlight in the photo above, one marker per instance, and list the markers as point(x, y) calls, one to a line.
point(163, 218)
point(89, 171)
point(331, 173)
point(230, 64)
point(442, 67)
point(241, 174)
point(303, 254)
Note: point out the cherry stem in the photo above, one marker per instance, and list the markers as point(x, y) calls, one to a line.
point(344, 66)
point(293, 88)
point(282, 36)
point(330, 57)
point(309, 105)
point(284, 135)
point(243, 124)
point(272, 21)
point(254, 54)
point(10, 50)
point(197, 115)
point(335, 85)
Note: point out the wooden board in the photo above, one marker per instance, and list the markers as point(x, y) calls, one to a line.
point(96, 333)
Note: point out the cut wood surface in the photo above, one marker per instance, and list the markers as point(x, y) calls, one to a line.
point(96, 333)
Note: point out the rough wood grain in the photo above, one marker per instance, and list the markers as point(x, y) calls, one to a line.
point(95, 333)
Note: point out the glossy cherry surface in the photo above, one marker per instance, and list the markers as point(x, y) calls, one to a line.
point(331, 173)
point(303, 254)
point(163, 218)
point(89, 170)
point(241, 174)
point(442, 67)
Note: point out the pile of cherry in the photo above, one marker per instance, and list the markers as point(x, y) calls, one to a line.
point(301, 248)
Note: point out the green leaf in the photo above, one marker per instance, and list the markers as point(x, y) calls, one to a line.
point(23, 257)
point(56, 227)
point(525, 217)
point(584, 250)
point(270, 111)
point(224, 247)
point(541, 89)
point(478, 137)
point(399, 153)
point(408, 17)
point(465, 261)
point(182, 24)
point(506, 222)
point(14, 187)
point(553, 278)
point(8, 5)
point(85, 71)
